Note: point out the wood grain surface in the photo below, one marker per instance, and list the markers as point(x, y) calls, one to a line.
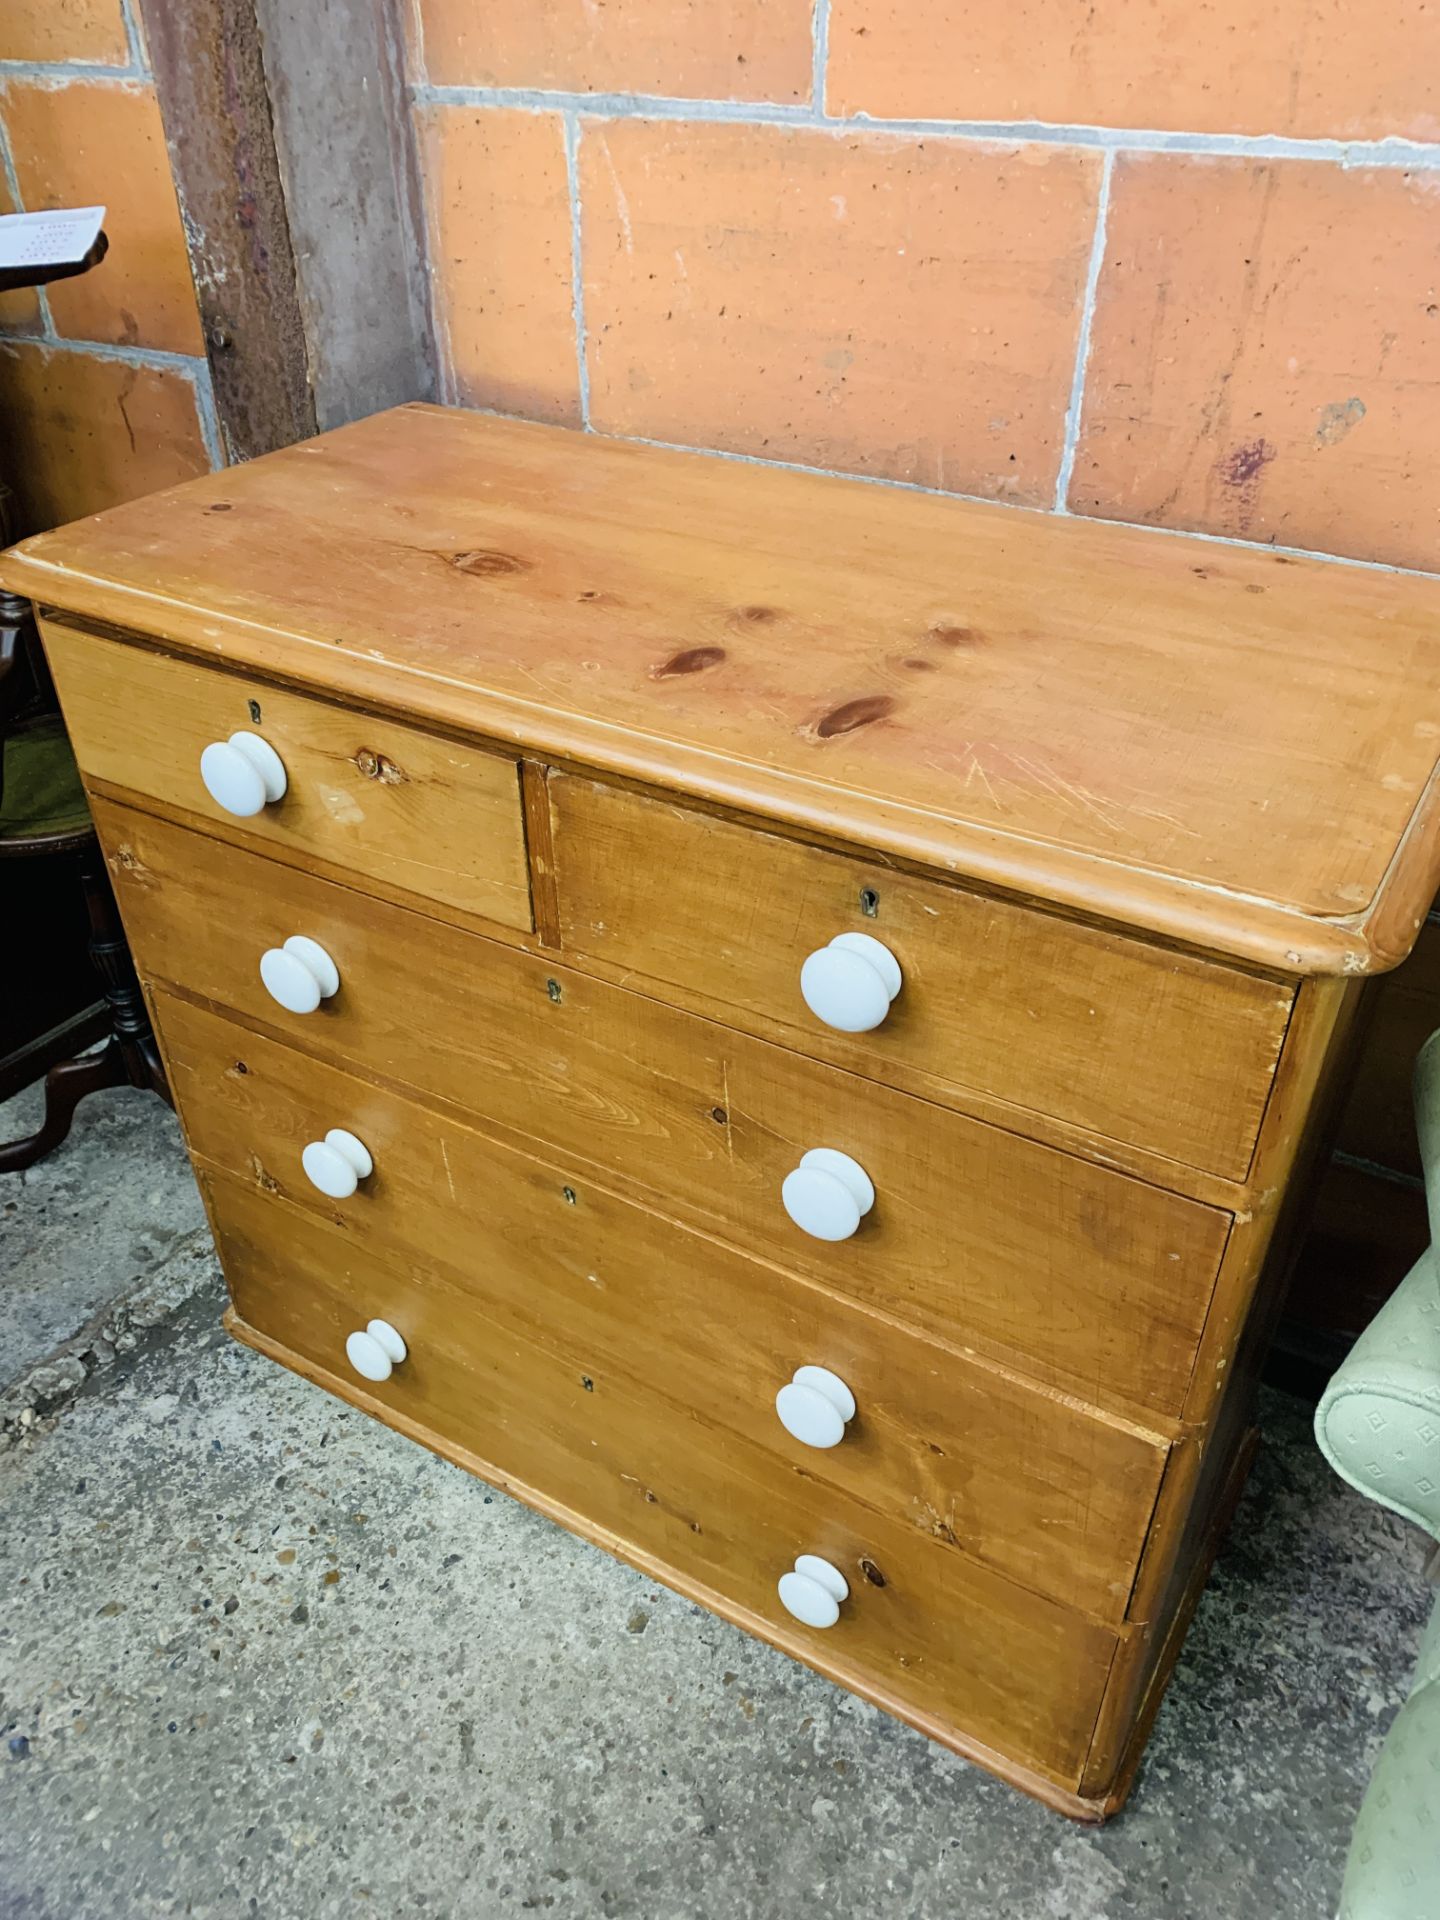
point(1127, 1039)
point(1028, 1482)
point(955, 1640)
point(1079, 1277)
point(1236, 750)
point(380, 800)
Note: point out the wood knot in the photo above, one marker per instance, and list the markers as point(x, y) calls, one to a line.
point(688, 660)
point(375, 766)
point(486, 561)
point(756, 616)
point(852, 714)
point(948, 636)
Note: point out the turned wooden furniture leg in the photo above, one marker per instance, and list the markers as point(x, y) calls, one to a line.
point(129, 1057)
point(133, 1038)
point(66, 1085)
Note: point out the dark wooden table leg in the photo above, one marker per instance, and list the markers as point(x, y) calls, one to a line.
point(129, 1057)
point(108, 949)
point(66, 1085)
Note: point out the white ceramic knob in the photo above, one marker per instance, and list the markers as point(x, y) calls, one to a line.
point(813, 1592)
point(850, 984)
point(243, 774)
point(376, 1351)
point(828, 1194)
point(816, 1407)
point(337, 1164)
point(300, 974)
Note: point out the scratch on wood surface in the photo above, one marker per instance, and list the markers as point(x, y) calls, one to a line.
point(729, 1115)
point(449, 1176)
point(1069, 792)
point(976, 766)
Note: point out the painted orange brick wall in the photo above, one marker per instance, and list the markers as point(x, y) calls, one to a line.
point(1169, 261)
point(104, 389)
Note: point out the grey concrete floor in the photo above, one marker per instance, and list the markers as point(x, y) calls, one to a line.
point(64, 1250)
point(259, 1656)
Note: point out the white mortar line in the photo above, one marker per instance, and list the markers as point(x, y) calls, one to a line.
point(158, 359)
point(1082, 341)
point(615, 106)
point(56, 73)
point(577, 267)
point(135, 39)
point(820, 33)
point(413, 49)
point(7, 168)
point(1390, 152)
point(209, 415)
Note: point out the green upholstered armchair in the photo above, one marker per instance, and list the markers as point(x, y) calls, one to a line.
point(1378, 1424)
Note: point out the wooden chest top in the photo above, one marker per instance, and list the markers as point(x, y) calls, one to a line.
point(1229, 748)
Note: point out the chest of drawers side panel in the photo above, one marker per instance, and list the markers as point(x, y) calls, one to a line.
point(1077, 1276)
point(1147, 1046)
point(387, 802)
point(930, 1630)
point(1206, 1471)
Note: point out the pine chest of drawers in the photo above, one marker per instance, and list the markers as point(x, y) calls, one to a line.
point(780, 1020)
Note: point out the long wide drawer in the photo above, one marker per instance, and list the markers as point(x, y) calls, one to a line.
point(374, 797)
point(1075, 1274)
point(924, 1630)
point(1130, 1041)
point(1033, 1485)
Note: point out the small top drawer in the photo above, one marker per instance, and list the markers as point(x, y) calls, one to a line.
point(371, 797)
point(1156, 1049)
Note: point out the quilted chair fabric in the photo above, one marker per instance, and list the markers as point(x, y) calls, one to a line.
point(1378, 1424)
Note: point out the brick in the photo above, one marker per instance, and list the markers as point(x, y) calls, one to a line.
point(91, 142)
point(744, 50)
point(92, 432)
point(499, 215)
point(19, 312)
point(1265, 356)
point(89, 30)
point(1198, 66)
point(879, 305)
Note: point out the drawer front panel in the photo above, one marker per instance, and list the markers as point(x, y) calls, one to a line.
point(1140, 1045)
point(1077, 1275)
point(374, 797)
point(931, 1631)
point(1030, 1484)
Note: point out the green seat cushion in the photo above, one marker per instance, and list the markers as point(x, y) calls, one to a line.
point(43, 795)
point(1393, 1872)
point(1378, 1422)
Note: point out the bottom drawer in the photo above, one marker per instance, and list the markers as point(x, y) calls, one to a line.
point(958, 1650)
